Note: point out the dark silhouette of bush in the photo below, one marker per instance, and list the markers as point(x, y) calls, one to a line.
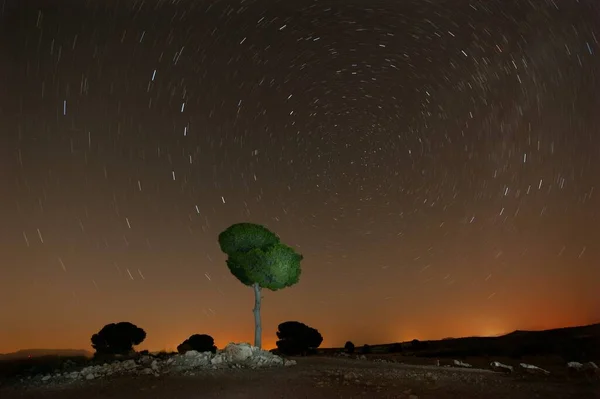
point(117, 338)
point(349, 347)
point(396, 348)
point(297, 338)
point(199, 343)
point(366, 349)
point(417, 345)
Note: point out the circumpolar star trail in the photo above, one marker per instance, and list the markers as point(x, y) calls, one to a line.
point(435, 162)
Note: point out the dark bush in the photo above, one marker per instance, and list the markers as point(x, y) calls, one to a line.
point(366, 349)
point(199, 343)
point(349, 347)
point(297, 338)
point(417, 345)
point(117, 338)
point(396, 348)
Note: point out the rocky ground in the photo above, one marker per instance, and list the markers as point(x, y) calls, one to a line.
point(241, 371)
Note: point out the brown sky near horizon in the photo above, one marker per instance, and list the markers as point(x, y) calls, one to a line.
point(438, 174)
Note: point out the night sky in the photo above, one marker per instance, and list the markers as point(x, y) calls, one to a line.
point(437, 163)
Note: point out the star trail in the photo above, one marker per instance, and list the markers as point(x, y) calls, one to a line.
point(434, 161)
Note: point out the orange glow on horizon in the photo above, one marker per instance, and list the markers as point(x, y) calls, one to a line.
point(335, 339)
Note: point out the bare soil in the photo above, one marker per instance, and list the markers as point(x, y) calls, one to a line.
point(327, 377)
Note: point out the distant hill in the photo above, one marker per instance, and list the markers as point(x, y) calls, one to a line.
point(572, 343)
point(577, 332)
point(26, 353)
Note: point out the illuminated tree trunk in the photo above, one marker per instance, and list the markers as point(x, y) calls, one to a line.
point(256, 310)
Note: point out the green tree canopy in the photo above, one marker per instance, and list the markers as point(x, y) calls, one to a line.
point(244, 237)
point(274, 267)
point(256, 255)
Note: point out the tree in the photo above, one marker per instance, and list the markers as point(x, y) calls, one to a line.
point(199, 343)
point(297, 338)
point(349, 347)
point(117, 338)
point(257, 258)
point(366, 349)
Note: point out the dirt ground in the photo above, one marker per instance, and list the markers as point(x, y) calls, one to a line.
point(326, 377)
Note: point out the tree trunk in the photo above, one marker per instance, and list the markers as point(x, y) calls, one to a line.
point(256, 310)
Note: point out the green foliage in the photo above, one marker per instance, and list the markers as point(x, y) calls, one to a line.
point(269, 263)
point(244, 237)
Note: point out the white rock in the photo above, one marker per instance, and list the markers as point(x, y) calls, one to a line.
point(218, 359)
point(233, 356)
point(590, 365)
point(532, 368)
point(504, 367)
point(129, 364)
point(238, 352)
point(461, 364)
point(575, 365)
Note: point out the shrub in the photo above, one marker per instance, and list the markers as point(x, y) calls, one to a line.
point(297, 338)
point(366, 349)
point(199, 343)
point(117, 338)
point(396, 348)
point(349, 347)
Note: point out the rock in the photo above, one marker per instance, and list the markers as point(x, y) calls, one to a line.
point(530, 368)
point(461, 364)
point(589, 368)
point(497, 366)
point(129, 364)
point(218, 359)
point(238, 352)
point(575, 365)
point(233, 356)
